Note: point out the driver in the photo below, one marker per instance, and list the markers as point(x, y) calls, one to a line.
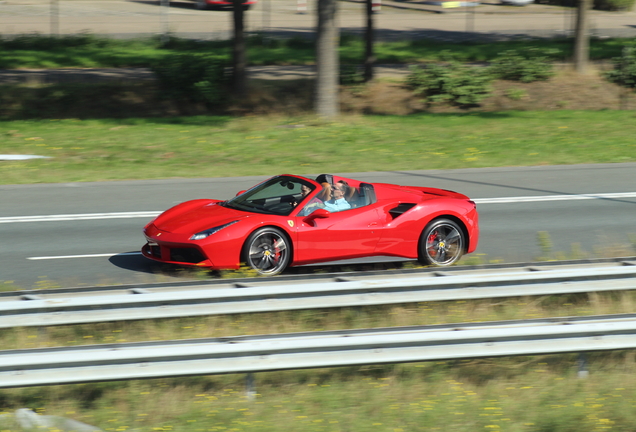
point(304, 191)
point(317, 201)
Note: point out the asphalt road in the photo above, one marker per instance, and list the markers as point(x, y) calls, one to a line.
point(76, 251)
point(398, 19)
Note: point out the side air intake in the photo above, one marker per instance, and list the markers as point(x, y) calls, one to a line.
point(401, 209)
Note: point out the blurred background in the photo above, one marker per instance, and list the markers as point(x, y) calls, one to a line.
point(440, 20)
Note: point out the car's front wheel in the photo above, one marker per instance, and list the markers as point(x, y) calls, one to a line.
point(442, 243)
point(267, 251)
point(201, 4)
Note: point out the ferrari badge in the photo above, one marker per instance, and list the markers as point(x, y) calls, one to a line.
point(291, 223)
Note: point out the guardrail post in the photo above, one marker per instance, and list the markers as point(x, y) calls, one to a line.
point(250, 391)
point(582, 364)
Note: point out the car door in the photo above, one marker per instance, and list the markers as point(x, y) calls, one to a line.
point(346, 234)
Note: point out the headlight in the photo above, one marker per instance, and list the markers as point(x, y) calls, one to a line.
point(208, 232)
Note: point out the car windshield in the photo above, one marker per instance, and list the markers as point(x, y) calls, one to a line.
point(278, 195)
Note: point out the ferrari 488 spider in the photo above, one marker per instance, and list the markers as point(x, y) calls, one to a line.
point(290, 220)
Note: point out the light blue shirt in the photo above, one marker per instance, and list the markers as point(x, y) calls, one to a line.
point(337, 205)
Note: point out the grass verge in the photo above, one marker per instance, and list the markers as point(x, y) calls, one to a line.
point(538, 393)
point(207, 146)
point(531, 394)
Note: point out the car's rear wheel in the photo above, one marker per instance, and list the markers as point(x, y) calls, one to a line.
point(442, 243)
point(201, 4)
point(267, 251)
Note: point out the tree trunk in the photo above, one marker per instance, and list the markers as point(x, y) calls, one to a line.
point(239, 58)
point(327, 62)
point(369, 58)
point(582, 38)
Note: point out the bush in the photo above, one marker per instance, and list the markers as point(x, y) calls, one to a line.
point(39, 42)
point(81, 101)
point(351, 74)
point(624, 73)
point(192, 78)
point(534, 65)
point(452, 82)
point(613, 5)
point(298, 42)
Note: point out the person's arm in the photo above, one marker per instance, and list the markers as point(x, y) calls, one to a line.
point(309, 208)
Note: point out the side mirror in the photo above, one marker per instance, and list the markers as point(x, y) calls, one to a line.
point(316, 214)
point(240, 193)
point(320, 213)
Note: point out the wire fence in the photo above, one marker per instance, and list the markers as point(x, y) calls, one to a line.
point(394, 19)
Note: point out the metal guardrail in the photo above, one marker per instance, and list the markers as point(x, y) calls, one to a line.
point(87, 307)
point(247, 354)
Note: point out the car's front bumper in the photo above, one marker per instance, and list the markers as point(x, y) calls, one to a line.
point(175, 254)
point(173, 248)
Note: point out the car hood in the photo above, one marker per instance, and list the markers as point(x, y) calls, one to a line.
point(191, 218)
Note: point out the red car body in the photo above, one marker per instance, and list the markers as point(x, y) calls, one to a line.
point(386, 220)
point(223, 4)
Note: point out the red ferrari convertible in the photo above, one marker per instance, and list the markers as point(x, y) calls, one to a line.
point(290, 220)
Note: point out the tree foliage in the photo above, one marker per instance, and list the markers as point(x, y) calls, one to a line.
point(624, 72)
point(192, 78)
point(452, 82)
point(533, 65)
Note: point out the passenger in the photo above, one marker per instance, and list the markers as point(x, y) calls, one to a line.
point(325, 193)
point(350, 192)
point(346, 189)
point(338, 202)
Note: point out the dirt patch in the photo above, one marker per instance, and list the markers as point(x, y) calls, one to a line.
point(566, 90)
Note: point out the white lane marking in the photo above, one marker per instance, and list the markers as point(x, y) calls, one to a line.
point(81, 256)
point(600, 196)
point(13, 157)
point(75, 217)
point(152, 214)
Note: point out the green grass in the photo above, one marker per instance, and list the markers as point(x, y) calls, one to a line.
point(539, 393)
point(207, 146)
point(87, 51)
point(531, 394)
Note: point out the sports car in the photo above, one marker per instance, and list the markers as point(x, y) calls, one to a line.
point(290, 220)
point(221, 4)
